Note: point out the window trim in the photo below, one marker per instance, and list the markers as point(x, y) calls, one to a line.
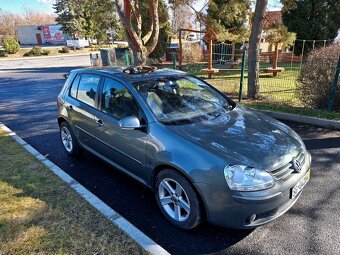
point(73, 83)
point(99, 108)
point(95, 106)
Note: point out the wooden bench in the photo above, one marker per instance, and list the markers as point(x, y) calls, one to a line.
point(210, 72)
point(213, 71)
point(274, 71)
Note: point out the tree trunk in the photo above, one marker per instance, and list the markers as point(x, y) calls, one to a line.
point(254, 49)
point(130, 16)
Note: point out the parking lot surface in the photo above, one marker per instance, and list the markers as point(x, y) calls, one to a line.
point(28, 92)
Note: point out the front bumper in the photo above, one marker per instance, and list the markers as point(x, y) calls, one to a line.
point(233, 209)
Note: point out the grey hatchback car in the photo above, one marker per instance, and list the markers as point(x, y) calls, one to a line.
point(204, 157)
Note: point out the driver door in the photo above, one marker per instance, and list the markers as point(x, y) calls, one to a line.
point(126, 148)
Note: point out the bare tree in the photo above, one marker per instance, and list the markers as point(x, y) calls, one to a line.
point(180, 17)
point(31, 17)
point(254, 48)
point(142, 45)
point(9, 21)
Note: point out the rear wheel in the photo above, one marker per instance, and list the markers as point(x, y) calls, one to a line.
point(68, 139)
point(177, 199)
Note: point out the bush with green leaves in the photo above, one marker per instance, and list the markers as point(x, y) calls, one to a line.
point(37, 51)
point(316, 77)
point(11, 45)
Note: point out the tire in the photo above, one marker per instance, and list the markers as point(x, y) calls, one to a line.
point(183, 210)
point(68, 140)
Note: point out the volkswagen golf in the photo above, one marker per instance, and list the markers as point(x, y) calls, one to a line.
point(204, 157)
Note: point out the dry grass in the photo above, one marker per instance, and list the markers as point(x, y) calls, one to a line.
point(54, 51)
point(39, 214)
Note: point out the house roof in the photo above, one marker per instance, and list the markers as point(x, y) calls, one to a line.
point(272, 17)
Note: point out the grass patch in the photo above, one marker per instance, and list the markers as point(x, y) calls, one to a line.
point(280, 89)
point(335, 115)
point(54, 51)
point(40, 214)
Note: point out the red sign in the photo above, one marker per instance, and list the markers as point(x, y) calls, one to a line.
point(53, 33)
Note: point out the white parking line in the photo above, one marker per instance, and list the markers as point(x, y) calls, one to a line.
point(143, 240)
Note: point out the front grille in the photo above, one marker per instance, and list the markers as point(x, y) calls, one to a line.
point(284, 171)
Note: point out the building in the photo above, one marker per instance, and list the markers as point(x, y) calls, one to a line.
point(41, 35)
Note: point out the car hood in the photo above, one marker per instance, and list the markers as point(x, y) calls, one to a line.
point(243, 136)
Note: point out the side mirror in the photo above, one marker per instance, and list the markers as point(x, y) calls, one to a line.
point(66, 75)
point(130, 123)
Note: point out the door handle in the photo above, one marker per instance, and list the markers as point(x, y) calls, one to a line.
point(70, 107)
point(99, 122)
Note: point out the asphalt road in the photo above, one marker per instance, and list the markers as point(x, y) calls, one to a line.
point(28, 91)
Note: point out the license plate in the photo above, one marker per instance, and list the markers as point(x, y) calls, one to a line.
point(299, 186)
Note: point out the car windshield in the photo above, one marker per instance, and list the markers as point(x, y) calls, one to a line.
point(182, 99)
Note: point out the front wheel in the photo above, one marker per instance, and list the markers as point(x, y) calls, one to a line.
point(177, 199)
point(68, 139)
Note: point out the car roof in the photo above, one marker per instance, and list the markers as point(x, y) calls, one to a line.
point(118, 72)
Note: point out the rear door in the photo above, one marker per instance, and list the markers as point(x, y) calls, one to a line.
point(125, 148)
point(81, 106)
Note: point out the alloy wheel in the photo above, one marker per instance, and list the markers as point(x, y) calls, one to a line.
point(174, 199)
point(66, 138)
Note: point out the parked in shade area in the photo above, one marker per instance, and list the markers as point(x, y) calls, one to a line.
point(204, 157)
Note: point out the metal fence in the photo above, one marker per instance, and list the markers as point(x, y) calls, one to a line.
point(279, 85)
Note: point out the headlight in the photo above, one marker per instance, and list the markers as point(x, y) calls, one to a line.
point(244, 178)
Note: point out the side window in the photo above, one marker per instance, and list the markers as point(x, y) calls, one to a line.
point(74, 88)
point(117, 100)
point(87, 88)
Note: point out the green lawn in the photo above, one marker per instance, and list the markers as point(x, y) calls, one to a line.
point(280, 89)
point(40, 214)
point(335, 115)
point(276, 93)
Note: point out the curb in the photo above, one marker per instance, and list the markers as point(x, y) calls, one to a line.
point(54, 56)
point(330, 124)
point(144, 241)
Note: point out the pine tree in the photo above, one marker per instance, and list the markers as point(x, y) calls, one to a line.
point(90, 18)
point(224, 15)
point(312, 19)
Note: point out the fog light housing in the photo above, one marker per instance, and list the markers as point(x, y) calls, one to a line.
point(251, 218)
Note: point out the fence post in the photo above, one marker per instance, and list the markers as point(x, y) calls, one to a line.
point(244, 52)
point(333, 89)
point(174, 59)
point(127, 61)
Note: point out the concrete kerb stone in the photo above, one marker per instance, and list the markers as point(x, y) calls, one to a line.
point(144, 241)
point(330, 124)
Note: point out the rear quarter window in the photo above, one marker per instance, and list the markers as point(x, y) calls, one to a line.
point(87, 89)
point(74, 88)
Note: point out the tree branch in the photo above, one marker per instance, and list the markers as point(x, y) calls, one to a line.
point(152, 42)
point(125, 17)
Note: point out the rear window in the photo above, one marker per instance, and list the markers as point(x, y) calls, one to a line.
point(87, 89)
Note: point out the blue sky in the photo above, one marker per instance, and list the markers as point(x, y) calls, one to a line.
point(20, 5)
point(46, 5)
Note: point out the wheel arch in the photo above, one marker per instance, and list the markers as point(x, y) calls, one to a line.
point(162, 167)
point(61, 120)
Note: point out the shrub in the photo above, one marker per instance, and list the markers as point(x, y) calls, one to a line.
point(37, 51)
point(3, 54)
point(65, 49)
point(11, 45)
point(45, 52)
point(317, 76)
point(192, 52)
